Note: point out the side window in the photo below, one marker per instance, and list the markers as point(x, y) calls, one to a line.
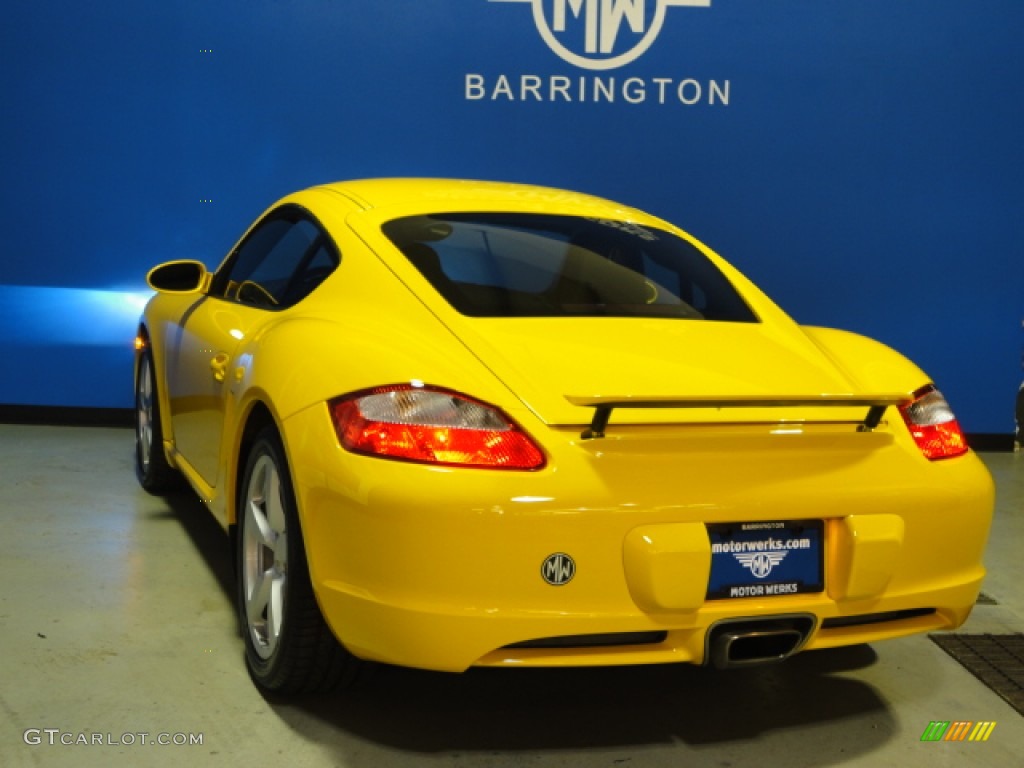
point(282, 260)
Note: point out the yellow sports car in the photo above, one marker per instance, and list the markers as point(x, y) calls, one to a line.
point(457, 423)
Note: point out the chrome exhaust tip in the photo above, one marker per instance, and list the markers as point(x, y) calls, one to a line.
point(750, 642)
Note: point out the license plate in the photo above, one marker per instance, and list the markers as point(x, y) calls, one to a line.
point(766, 559)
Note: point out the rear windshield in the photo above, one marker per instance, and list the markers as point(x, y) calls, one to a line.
point(538, 265)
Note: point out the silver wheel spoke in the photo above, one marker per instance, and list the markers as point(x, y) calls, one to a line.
point(272, 498)
point(275, 606)
point(259, 597)
point(264, 532)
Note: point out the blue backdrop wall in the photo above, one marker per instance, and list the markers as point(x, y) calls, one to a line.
point(862, 160)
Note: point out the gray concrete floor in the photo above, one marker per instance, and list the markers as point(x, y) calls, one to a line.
point(116, 621)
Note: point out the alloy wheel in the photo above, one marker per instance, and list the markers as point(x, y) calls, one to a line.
point(144, 413)
point(264, 557)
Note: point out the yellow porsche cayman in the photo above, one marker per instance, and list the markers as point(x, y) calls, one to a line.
point(453, 423)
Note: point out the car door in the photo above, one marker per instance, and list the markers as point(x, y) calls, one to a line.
point(278, 263)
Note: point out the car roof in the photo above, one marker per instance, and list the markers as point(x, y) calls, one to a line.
point(465, 194)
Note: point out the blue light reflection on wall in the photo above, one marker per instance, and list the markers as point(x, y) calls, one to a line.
point(69, 346)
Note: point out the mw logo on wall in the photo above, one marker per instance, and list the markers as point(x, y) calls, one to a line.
point(598, 36)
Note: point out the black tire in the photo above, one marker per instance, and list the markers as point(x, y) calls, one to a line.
point(155, 475)
point(288, 645)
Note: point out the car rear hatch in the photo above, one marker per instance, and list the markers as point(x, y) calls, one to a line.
point(587, 371)
point(587, 318)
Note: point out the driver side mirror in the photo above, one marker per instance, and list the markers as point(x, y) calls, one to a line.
point(184, 276)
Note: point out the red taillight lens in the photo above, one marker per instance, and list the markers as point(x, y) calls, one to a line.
point(432, 426)
point(933, 425)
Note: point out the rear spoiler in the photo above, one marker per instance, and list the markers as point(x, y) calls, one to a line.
point(604, 405)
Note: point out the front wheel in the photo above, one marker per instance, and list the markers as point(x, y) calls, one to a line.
point(288, 646)
point(151, 467)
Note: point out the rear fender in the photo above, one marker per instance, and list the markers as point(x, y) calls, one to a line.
point(869, 363)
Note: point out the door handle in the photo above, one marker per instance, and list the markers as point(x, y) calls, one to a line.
point(219, 365)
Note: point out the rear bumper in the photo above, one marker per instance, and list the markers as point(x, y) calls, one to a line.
point(452, 639)
point(440, 568)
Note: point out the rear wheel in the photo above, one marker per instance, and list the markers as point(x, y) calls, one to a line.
point(151, 467)
point(288, 646)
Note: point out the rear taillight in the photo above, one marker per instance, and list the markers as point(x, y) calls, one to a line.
point(431, 426)
point(933, 425)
